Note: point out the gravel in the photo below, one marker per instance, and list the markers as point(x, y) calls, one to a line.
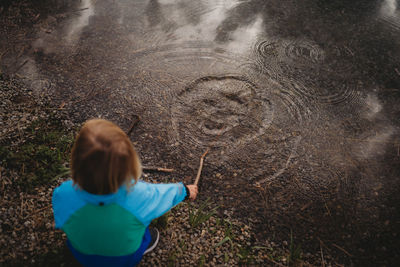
point(26, 222)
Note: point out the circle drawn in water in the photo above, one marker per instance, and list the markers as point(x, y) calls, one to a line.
point(40, 85)
point(222, 111)
point(302, 51)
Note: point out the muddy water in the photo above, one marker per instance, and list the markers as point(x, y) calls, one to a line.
point(297, 101)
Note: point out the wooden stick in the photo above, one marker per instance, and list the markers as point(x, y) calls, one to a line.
point(196, 181)
point(3, 53)
point(79, 9)
point(342, 249)
point(135, 122)
point(37, 211)
point(20, 66)
point(156, 169)
point(322, 255)
point(274, 262)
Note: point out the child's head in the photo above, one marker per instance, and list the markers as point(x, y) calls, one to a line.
point(103, 158)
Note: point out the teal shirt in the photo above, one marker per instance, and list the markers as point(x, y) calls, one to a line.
point(114, 224)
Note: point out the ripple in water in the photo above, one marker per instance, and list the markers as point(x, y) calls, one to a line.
point(333, 92)
point(299, 52)
point(303, 52)
point(41, 86)
point(222, 111)
point(247, 119)
point(298, 65)
point(267, 58)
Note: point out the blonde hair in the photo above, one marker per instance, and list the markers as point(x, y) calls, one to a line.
point(103, 158)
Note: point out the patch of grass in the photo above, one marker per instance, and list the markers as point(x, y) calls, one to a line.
point(202, 260)
point(246, 256)
point(228, 234)
point(202, 214)
point(40, 159)
point(161, 223)
point(172, 256)
point(226, 257)
point(223, 241)
point(176, 253)
point(183, 245)
point(56, 256)
point(294, 252)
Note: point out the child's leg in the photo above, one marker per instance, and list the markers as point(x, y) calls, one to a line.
point(145, 243)
point(100, 261)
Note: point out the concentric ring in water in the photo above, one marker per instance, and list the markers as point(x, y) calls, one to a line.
point(221, 111)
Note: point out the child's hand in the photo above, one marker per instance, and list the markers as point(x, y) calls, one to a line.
point(193, 190)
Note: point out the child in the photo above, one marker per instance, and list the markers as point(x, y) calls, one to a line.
point(105, 210)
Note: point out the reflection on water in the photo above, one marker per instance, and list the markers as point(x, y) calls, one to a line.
point(242, 38)
point(373, 106)
point(388, 8)
point(76, 25)
point(207, 18)
point(66, 35)
point(376, 144)
point(390, 12)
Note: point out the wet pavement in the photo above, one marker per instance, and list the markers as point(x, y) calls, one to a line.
point(298, 102)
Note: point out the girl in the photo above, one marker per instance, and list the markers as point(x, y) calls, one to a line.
point(105, 210)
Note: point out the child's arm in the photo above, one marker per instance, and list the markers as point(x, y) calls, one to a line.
point(148, 201)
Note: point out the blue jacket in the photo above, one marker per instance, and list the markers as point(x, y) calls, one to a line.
point(111, 226)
